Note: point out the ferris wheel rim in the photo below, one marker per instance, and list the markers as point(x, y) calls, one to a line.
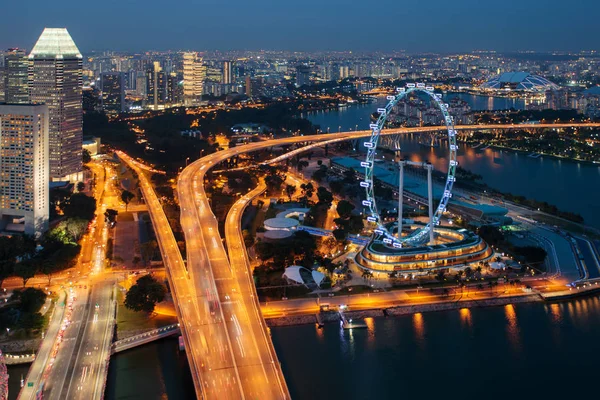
point(369, 164)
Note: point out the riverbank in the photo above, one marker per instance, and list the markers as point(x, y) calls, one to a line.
point(331, 316)
point(527, 152)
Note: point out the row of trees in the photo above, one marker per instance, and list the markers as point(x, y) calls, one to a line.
point(59, 248)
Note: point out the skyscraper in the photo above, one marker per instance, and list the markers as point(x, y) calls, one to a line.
point(227, 72)
point(55, 79)
point(16, 66)
point(302, 75)
point(112, 85)
point(24, 168)
point(156, 86)
point(194, 74)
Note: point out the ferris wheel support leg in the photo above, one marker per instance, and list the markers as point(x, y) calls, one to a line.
point(430, 199)
point(400, 197)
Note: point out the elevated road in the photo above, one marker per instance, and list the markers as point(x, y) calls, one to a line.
point(228, 348)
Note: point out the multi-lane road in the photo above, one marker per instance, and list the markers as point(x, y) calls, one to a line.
point(228, 347)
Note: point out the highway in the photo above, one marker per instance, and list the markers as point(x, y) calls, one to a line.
point(201, 322)
point(229, 350)
point(80, 368)
point(207, 261)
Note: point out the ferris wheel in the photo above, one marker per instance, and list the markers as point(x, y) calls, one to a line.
point(421, 235)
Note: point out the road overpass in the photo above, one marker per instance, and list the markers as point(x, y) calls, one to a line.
point(229, 352)
point(143, 338)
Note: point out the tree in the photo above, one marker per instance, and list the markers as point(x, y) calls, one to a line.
point(290, 190)
point(79, 206)
point(48, 267)
point(6, 269)
point(86, 157)
point(127, 196)
point(148, 250)
point(307, 189)
point(76, 227)
point(340, 235)
point(324, 195)
point(26, 270)
point(274, 182)
point(80, 186)
point(145, 294)
point(344, 209)
point(110, 216)
point(31, 300)
point(302, 164)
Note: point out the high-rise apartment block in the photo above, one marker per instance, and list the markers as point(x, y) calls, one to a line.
point(156, 86)
point(24, 168)
point(302, 75)
point(194, 74)
point(227, 72)
point(112, 85)
point(55, 79)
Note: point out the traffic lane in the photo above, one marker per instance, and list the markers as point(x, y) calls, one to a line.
point(588, 257)
point(566, 258)
point(60, 366)
point(95, 347)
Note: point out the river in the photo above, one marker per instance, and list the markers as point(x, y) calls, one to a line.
point(528, 350)
point(571, 186)
point(523, 351)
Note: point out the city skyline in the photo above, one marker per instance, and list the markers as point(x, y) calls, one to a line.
point(458, 27)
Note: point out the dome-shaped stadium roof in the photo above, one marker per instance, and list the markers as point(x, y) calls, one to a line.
point(519, 81)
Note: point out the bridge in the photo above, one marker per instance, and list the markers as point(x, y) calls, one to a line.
point(143, 338)
point(229, 352)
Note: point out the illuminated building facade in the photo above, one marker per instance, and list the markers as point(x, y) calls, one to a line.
point(194, 74)
point(112, 85)
point(227, 72)
point(156, 87)
point(55, 79)
point(24, 168)
point(16, 70)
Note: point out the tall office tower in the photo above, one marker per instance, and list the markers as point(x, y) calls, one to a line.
point(227, 72)
point(16, 66)
point(156, 86)
point(302, 75)
point(194, 74)
point(55, 79)
point(24, 168)
point(112, 85)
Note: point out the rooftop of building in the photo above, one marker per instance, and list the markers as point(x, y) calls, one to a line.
point(519, 81)
point(55, 42)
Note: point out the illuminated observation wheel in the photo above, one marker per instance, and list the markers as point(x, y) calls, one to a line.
point(418, 236)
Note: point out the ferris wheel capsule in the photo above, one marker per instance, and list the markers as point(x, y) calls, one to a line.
point(429, 88)
point(390, 98)
point(421, 85)
point(410, 85)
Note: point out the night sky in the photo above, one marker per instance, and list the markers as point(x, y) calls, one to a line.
point(306, 25)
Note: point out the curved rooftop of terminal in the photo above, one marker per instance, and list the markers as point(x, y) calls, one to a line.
point(519, 81)
point(281, 223)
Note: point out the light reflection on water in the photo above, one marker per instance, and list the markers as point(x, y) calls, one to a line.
point(482, 343)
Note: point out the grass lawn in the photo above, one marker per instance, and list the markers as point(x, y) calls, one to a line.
point(128, 320)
